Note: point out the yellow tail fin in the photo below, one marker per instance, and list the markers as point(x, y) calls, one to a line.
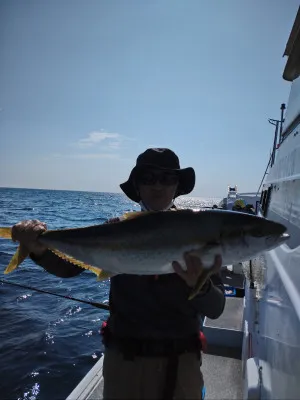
point(17, 259)
point(20, 254)
point(5, 233)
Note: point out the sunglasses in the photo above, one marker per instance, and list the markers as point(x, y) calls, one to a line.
point(150, 178)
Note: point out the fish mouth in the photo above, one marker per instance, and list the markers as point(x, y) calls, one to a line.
point(275, 240)
point(285, 236)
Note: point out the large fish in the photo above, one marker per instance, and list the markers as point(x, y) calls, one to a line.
point(146, 243)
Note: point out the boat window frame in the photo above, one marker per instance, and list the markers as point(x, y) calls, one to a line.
point(265, 199)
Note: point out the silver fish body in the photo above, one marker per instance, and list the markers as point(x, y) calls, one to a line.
point(149, 243)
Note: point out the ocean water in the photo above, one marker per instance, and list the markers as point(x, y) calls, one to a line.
point(48, 344)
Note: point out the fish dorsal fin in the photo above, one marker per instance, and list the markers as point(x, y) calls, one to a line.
point(134, 214)
point(101, 274)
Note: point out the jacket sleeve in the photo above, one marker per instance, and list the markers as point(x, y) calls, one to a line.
point(211, 301)
point(56, 266)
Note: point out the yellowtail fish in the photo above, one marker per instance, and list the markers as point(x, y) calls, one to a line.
point(146, 243)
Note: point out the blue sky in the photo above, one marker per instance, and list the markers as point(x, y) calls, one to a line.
point(87, 86)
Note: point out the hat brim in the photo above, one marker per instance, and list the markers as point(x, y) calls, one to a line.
point(186, 184)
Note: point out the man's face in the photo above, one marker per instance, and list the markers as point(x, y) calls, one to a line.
point(157, 188)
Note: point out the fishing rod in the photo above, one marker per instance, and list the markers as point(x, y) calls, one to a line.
point(91, 303)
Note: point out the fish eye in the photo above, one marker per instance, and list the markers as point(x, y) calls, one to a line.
point(258, 233)
point(270, 240)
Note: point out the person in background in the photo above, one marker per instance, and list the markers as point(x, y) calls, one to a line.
point(239, 205)
point(151, 338)
point(250, 209)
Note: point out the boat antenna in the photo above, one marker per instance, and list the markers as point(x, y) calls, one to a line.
point(282, 108)
point(277, 123)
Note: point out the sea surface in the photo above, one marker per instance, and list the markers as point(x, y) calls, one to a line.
point(47, 343)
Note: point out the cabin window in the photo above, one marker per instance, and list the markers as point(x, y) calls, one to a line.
point(265, 200)
point(262, 198)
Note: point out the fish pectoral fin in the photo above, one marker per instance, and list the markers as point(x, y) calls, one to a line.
point(5, 233)
point(17, 259)
point(197, 288)
point(101, 275)
point(206, 274)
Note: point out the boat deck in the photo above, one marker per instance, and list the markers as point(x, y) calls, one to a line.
point(222, 364)
point(222, 377)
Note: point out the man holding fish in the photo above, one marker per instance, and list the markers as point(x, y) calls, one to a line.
point(152, 346)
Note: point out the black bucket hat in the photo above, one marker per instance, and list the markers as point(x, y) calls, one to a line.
point(163, 159)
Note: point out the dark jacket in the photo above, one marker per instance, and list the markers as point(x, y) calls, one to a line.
point(150, 306)
point(143, 306)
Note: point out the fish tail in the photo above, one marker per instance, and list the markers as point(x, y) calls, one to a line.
point(5, 233)
point(19, 255)
point(17, 259)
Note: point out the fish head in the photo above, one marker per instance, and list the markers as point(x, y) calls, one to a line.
point(272, 232)
point(274, 241)
point(264, 235)
point(242, 236)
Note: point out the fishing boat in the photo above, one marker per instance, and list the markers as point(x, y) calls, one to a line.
point(253, 349)
point(275, 330)
point(232, 192)
point(252, 198)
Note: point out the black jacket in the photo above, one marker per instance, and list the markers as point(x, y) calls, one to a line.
point(158, 307)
